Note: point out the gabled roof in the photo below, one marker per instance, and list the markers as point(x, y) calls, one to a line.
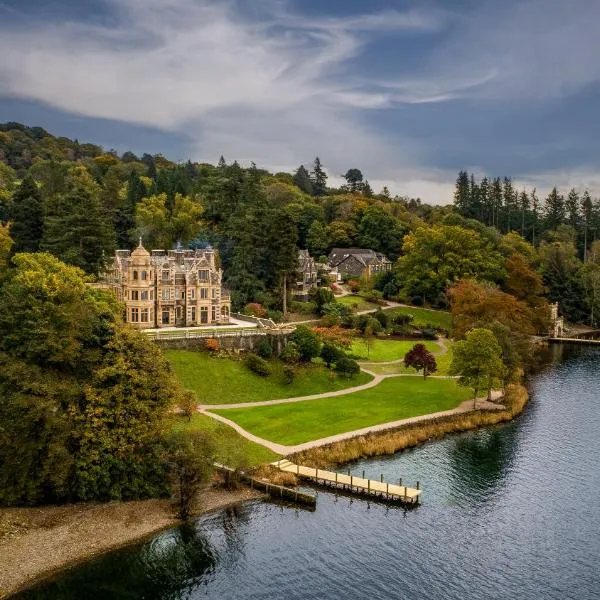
point(366, 256)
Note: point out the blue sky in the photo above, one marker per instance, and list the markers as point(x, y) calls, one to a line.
point(408, 91)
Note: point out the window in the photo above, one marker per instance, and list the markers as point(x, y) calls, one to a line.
point(166, 294)
point(204, 293)
point(144, 275)
point(214, 293)
point(214, 316)
point(135, 275)
point(143, 295)
point(192, 294)
point(179, 279)
point(135, 295)
point(193, 314)
point(165, 317)
point(182, 295)
point(203, 314)
point(135, 315)
point(144, 315)
point(151, 294)
point(178, 313)
point(203, 275)
point(165, 275)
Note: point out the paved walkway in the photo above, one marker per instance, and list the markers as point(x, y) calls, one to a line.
point(463, 407)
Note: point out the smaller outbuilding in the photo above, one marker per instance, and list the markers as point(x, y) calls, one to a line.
point(358, 262)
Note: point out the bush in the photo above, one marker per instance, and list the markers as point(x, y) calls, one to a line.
point(290, 353)
point(331, 354)
point(354, 286)
point(390, 290)
point(330, 320)
point(275, 315)
point(307, 342)
point(416, 301)
point(258, 365)
point(429, 333)
point(321, 296)
point(374, 296)
point(382, 318)
point(347, 367)
point(264, 349)
point(212, 345)
point(289, 374)
point(254, 309)
point(304, 308)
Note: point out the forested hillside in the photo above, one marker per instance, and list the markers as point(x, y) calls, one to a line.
point(80, 202)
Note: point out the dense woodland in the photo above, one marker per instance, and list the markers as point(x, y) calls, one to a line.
point(87, 401)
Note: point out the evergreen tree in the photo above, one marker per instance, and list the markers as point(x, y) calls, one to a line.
point(27, 217)
point(534, 212)
point(385, 192)
point(484, 200)
point(496, 201)
point(462, 194)
point(302, 180)
point(572, 209)
point(587, 212)
point(524, 208)
point(316, 238)
point(367, 190)
point(555, 210)
point(354, 178)
point(318, 179)
point(77, 229)
point(509, 203)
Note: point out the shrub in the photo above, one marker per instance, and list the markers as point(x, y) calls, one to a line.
point(304, 308)
point(321, 296)
point(374, 296)
point(390, 290)
point(289, 374)
point(290, 353)
point(429, 333)
point(331, 354)
point(254, 309)
point(382, 318)
point(212, 345)
point(264, 349)
point(354, 286)
point(275, 315)
point(330, 320)
point(347, 367)
point(307, 342)
point(258, 365)
point(416, 301)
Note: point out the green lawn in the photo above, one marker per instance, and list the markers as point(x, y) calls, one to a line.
point(393, 399)
point(358, 303)
point(383, 349)
point(443, 364)
point(228, 381)
point(424, 316)
point(233, 449)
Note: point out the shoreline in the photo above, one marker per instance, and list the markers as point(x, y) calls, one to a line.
point(38, 543)
point(390, 441)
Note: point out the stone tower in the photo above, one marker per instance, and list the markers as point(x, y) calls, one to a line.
point(139, 284)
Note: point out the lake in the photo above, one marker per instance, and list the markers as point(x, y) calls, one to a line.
point(508, 512)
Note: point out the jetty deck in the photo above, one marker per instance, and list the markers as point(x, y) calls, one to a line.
point(353, 484)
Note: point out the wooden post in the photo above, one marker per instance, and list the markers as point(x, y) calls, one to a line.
point(350, 481)
point(369, 486)
point(400, 481)
point(417, 485)
point(336, 476)
point(363, 474)
point(317, 475)
point(297, 469)
point(382, 478)
point(405, 494)
point(387, 490)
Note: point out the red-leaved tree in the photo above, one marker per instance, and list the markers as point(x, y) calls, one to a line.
point(419, 358)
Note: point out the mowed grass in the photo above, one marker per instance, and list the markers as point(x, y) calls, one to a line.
point(228, 381)
point(382, 350)
point(393, 399)
point(424, 316)
point(357, 303)
point(233, 450)
point(443, 363)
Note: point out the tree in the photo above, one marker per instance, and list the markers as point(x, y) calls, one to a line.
point(419, 358)
point(331, 354)
point(190, 459)
point(85, 398)
point(318, 179)
point(591, 279)
point(27, 217)
point(462, 194)
point(77, 229)
point(572, 209)
point(436, 257)
point(302, 180)
point(477, 361)
point(316, 239)
point(347, 367)
point(354, 178)
point(5, 246)
point(555, 210)
point(188, 404)
point(307, 343)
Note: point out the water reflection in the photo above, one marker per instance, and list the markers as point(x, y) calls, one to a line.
point(174, 561)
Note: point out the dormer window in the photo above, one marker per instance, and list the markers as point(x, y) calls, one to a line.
point(203, 275)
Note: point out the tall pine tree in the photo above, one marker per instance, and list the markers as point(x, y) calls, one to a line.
point(318, 179)
point(27, 216)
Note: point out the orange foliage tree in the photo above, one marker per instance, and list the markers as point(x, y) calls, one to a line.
point(336, 335)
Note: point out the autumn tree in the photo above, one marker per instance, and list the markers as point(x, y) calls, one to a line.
point(420, 359)
point(477, 360)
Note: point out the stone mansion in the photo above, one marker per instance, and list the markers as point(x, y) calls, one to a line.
point(173, 288)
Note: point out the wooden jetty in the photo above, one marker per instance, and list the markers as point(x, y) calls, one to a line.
point(577, 340)
point(356, 485)
point(278, 492)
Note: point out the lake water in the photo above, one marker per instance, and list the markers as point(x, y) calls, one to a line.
point(509, 512)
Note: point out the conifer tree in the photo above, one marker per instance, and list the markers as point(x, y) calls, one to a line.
point(586, 209)
point(318, 178)
point(572, 209)
point(462, 194)
point(27, 217)
point(302, 180)
point(524, 207)
point(555, 209)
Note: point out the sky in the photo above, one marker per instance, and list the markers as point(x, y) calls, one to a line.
point(408, 91)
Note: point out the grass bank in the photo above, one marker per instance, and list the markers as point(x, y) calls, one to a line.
point(393, 399)
point(381, 349)
point(356, 303)
point(443, 362)
point(423, 316)
point(227, 381)
point(390, 442)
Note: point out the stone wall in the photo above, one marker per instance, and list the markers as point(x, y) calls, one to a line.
point(236, 343)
